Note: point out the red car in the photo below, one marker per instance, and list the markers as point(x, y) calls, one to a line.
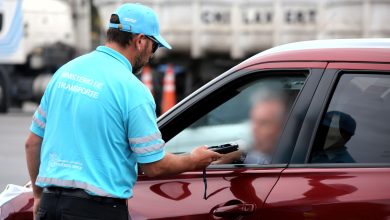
point(331, 161)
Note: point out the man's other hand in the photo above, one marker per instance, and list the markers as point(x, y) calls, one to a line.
point(37, 200)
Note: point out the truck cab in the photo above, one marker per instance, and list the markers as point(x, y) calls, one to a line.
point(32, 47)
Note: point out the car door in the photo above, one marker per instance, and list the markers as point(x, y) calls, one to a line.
point(217, 114)
point(340, 168)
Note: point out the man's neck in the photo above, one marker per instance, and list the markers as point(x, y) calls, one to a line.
point(126, 52)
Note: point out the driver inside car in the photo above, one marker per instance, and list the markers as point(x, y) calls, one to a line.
point(267, 115)
point(337, 129)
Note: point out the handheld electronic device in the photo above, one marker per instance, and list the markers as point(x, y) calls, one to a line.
point(227, 148)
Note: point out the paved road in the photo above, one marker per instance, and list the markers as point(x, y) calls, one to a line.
point(14, 128)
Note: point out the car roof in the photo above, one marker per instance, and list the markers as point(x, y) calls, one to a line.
point(337, 50)
point(340, 50)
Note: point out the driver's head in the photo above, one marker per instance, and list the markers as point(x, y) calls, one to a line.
point(136, 30)
point(267, 116)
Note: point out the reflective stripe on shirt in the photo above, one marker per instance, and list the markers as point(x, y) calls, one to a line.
point(73, 184)
point(146, 139)
point(40, 123)
point(148, 149)
point(41, 112)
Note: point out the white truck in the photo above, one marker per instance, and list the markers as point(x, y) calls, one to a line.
point(36, 37)
point(210, 36)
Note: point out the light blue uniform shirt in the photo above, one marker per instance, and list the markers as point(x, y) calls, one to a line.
point(97, 121)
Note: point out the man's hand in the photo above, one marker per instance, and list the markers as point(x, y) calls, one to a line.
point(33, 155)
point(37, 200)
point(202, 157)
point(229, 158)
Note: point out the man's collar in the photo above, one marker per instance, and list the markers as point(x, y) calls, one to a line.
point(116, 55)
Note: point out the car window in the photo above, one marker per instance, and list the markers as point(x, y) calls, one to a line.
point(249, 117)
point(356, 125)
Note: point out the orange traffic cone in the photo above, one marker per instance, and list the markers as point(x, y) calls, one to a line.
point(169, 90)
point(147, 78)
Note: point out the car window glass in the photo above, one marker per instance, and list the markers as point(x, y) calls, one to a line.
point(255, 116)
point(356, 126)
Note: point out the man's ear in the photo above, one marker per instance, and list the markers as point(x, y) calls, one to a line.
point(139, 42)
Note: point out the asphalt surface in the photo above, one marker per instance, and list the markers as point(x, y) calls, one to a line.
point(14, 128)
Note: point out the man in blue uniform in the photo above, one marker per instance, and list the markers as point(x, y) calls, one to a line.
point(96, 122)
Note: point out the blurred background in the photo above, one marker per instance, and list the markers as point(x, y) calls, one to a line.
point(208, 37)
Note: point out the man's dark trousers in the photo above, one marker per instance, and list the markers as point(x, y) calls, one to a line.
point(57, 205)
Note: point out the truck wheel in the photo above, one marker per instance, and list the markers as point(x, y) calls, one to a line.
point(4, 96)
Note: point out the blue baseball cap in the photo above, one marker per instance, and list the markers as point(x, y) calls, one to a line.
point(139, 19)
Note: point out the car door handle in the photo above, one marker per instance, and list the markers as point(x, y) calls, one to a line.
point(236, 209)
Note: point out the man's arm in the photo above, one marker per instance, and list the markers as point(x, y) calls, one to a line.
point(229, 158)
point(172, 164)
point(33, 154)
